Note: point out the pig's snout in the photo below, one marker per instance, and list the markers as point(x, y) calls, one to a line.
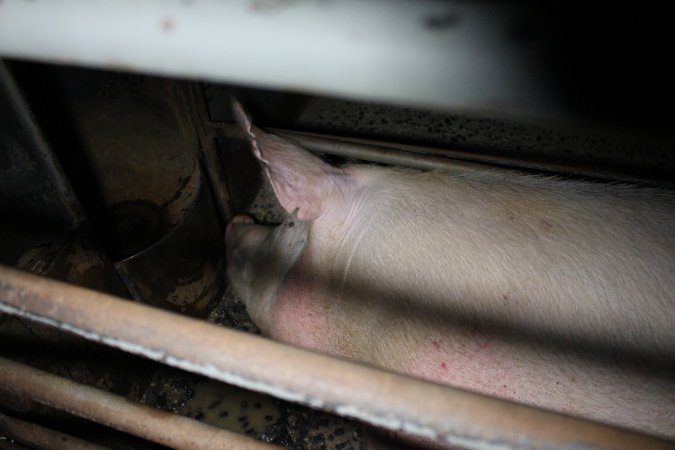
point(236, 229)
point(244, 242)
point(239, 219)
point(258, 259)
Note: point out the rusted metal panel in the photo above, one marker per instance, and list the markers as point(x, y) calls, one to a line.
point(36, 201)
point(130, 148)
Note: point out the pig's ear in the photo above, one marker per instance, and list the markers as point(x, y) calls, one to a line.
point(301, 181)
point(244, 121)
point(242, 118)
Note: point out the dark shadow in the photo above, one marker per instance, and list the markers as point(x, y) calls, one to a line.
point(519, 334)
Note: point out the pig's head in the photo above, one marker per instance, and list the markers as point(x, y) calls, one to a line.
point(302, 182)
point(243, 240)
point(315, 196)
point(258, 259)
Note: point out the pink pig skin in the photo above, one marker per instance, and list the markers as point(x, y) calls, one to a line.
point(553, 293)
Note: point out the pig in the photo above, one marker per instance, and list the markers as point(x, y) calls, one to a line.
point(541, 290)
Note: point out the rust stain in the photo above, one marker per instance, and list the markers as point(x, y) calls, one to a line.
point(167, 24)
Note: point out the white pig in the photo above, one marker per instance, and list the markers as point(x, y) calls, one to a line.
point(549, 292)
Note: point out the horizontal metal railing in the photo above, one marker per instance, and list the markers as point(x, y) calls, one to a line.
point(440, 413)
point(111, 410)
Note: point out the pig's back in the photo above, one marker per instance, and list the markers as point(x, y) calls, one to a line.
point(571, 261)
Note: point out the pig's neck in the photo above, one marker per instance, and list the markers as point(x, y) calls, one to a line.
point(336, 233)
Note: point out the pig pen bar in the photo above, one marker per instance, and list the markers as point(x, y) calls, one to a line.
point(111, 410)
point(36, 436)
point(439, 413)
point(424, 157)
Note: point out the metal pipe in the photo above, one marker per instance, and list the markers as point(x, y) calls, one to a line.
point(117, 412)
point(37, 436)
point(364, 150)
point(440, 413)
point(426, 158)
point(387, 153)
point(456, 161)
point(208, 150)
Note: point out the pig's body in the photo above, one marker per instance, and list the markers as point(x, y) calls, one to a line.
point(548, 292)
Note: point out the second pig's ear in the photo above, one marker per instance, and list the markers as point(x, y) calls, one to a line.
point(301, 180)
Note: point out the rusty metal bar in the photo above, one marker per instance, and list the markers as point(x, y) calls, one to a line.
point(426, 158)
point(440, 413)
point(37, 436)
point(414, 156)
point(208, 150)
point(117, 412)
point(365, 150)
point(452, 160)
